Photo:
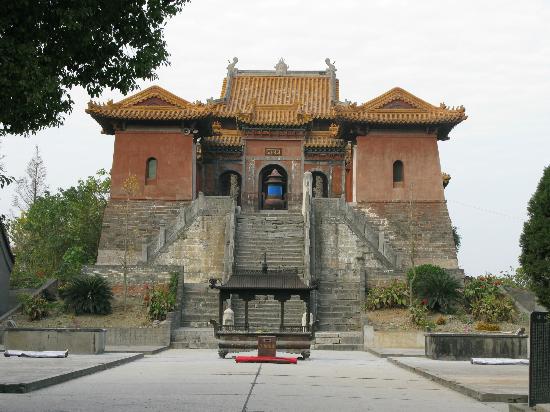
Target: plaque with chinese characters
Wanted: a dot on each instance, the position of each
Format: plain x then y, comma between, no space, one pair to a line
273,151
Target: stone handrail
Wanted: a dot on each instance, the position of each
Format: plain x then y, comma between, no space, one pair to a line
229,252
185,218
360,224
306,212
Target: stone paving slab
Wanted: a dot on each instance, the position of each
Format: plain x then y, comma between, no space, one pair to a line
486,383
20,375
146,350
197,380
396,352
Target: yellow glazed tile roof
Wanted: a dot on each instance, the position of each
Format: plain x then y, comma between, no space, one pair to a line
222,141
153,103
311,94
397,106
313,143
267,99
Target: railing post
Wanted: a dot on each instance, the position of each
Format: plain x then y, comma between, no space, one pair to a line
307,189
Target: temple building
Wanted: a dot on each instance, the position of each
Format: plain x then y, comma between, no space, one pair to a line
346,195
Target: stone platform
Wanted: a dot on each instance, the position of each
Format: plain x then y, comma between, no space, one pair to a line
486,383
20,375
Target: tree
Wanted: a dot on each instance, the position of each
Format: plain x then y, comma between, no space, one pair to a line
456,237
48,47
4,180
59,232
32,186
535,241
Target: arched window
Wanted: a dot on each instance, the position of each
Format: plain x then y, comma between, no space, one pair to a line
151,169
398,171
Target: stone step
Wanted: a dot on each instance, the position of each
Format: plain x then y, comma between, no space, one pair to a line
193,338
199,305
252,254
269,242
271,263
271,255
270,218
338,347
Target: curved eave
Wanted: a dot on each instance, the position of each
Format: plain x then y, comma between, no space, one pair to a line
107,118
404,118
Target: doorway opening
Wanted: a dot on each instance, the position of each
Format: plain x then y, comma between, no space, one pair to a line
273,188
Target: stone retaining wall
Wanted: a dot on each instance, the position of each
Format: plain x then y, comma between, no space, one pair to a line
431,225
137,274
138,336
463,346
90,341
392,339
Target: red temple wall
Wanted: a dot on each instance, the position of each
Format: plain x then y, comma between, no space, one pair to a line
376,154
174,154
291,159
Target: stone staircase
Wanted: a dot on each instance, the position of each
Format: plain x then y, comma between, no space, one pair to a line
279,235
339,305
199,305
193,338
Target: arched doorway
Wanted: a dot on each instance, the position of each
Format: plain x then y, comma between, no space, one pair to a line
273,187
230,185
319,184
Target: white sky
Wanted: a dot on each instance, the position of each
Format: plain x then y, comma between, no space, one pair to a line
492,56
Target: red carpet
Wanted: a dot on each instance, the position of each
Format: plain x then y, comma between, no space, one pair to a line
264,359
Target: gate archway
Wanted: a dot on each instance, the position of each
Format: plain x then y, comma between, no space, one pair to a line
273,187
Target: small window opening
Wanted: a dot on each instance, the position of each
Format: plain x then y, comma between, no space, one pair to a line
151,170
398,172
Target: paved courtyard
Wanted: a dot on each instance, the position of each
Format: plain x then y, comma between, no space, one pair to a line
196,380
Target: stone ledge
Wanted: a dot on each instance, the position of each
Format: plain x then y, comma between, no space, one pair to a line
484,383
22,375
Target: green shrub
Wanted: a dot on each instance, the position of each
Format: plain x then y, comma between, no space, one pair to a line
494,308
173,285
515,278
419,315
395,295
163,298
435,287
88,294
478,288
35,307
162,301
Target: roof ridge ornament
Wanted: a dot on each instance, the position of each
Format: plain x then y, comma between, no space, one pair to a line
231,69
331,67
281,67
